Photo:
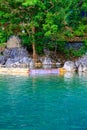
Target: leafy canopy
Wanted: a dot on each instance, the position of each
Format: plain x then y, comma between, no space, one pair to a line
54,21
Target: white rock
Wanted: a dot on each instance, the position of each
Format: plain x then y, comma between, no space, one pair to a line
69,66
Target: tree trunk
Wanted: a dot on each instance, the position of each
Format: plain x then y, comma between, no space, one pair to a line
33,45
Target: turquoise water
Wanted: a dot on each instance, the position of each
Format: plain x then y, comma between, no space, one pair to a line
43,102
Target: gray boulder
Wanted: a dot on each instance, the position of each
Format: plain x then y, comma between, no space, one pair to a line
69,66
81,61
81,64
82,68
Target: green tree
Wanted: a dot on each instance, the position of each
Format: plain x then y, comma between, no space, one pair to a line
42,22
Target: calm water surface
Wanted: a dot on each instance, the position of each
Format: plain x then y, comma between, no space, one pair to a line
49,102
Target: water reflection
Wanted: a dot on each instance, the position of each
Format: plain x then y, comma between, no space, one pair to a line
46,66
82,74
69,75
75,79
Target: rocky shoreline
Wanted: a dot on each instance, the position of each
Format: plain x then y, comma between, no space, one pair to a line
15,55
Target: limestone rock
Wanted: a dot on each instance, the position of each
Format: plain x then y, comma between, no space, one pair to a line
47,62
18,52
9,62
2,60
25,60
6,53
32,64
82,68
82,61
14,42
69,66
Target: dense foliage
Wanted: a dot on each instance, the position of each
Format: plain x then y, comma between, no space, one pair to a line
43,23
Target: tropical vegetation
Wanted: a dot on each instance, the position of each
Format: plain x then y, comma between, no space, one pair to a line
44,23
